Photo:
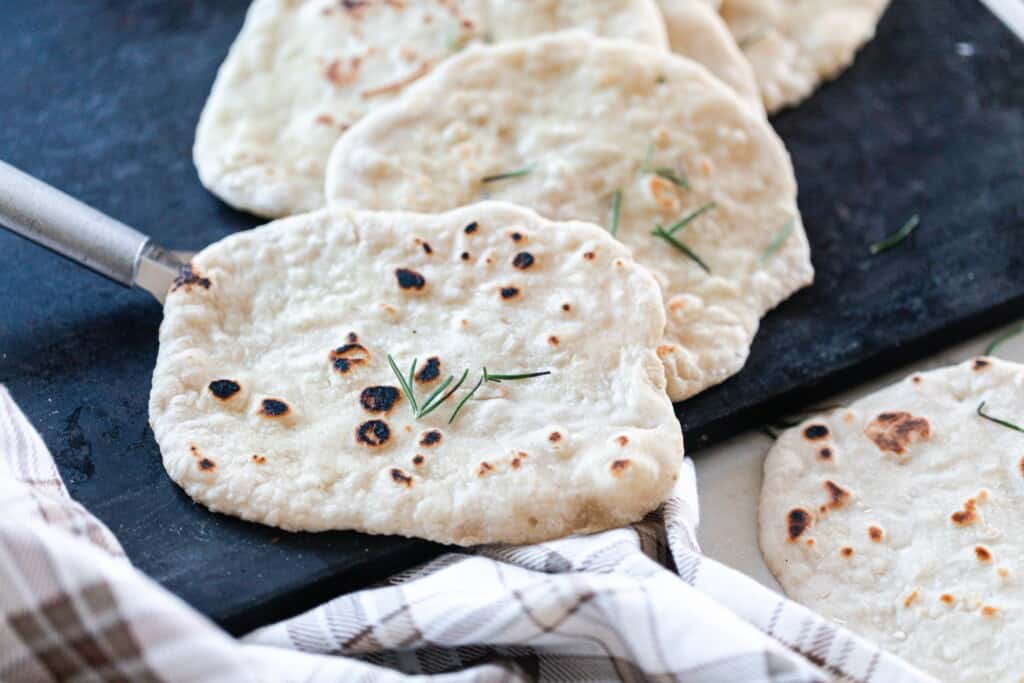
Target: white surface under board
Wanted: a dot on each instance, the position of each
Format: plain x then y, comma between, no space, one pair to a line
729,474
1011,12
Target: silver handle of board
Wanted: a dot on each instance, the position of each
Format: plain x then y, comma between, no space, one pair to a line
61,223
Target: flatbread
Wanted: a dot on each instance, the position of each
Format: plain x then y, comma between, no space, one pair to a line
696,31
579,113
901,517
273,399
794,45
302,71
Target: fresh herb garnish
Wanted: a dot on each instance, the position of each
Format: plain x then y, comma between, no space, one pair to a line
438,396
667,236
467,397
645,165
671,176
406,389
488,377
616,211
505,176
1009,334
1008,425
433,401
690,217
503,378
900,235
779,239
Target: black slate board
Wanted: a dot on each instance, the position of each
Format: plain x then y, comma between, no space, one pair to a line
101,98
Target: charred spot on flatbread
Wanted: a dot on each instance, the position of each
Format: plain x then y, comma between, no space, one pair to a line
344,358
224,389
798,520
373,433
401,477
410,279
274,408
894,432
431,438
816,432
380,399
837,496
523,260
189,277
430,371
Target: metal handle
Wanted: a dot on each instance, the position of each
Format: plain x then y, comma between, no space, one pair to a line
59,222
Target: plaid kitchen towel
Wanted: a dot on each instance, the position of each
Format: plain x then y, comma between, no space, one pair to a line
634,604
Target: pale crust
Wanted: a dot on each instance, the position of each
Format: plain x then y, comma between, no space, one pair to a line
302,71
794,45
581,112
696,31
911,525
305,311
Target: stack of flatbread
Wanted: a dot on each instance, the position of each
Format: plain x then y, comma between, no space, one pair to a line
513,233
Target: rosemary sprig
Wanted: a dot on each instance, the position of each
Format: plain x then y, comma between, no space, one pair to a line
486,376
467,397
442,393
900,235
690,217
779,239
671,176
1008,425
501,378
667,236
406,389
616,212
645,166
505,176
1009,334
433,402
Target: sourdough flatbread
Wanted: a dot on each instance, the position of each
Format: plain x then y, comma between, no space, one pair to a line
902,517
794,45
572,118
696,31
273,398
303,71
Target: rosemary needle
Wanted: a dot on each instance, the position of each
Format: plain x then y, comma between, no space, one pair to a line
671,176
1009,334
432,405
779,239
1008,425
900,235
667,236
645,167
405,385
505,176
500,378
690,217
616,211
467,397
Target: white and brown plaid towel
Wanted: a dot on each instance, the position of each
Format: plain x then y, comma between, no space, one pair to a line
634,604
